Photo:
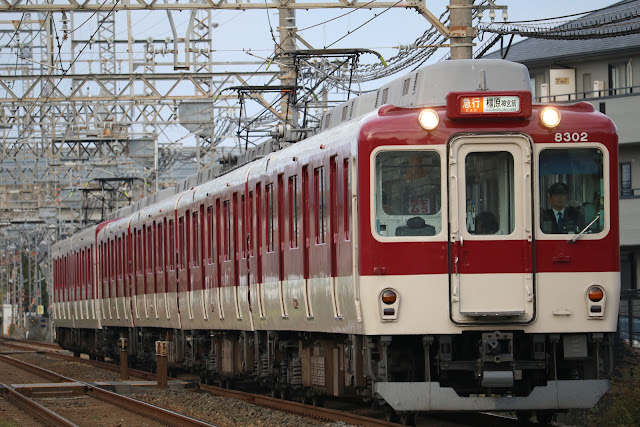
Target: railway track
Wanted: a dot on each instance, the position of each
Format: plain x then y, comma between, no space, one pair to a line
291,407
104,405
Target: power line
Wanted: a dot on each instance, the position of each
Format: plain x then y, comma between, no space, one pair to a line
612,23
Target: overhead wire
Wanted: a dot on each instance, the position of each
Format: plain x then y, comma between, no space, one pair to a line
363,24
614,22
17,30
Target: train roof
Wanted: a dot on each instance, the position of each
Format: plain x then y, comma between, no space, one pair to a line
429,86
80,240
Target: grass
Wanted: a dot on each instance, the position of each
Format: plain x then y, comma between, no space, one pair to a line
621,405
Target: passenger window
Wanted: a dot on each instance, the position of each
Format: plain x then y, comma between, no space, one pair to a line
571,190
489,193
408,193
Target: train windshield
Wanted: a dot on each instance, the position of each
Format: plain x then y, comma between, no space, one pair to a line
408,193
489,193
571,190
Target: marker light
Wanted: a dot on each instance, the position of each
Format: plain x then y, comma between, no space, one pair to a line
550,117
595,293
428,119
388,296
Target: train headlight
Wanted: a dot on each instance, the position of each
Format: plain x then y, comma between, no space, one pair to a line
596,299
550,117
428,119
388,305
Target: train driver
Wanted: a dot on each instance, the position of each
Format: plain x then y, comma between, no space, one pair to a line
561,218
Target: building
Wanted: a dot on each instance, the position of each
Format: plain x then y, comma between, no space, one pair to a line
600,71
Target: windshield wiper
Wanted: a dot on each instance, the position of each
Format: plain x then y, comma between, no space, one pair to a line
577,236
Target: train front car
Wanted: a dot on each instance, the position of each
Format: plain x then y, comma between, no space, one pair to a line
490,278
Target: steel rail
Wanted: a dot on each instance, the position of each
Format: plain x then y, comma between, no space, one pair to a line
36,370
35,409
103,365
164,416
145,409
297,408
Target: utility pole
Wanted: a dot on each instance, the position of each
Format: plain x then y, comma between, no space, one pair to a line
462,31
287,44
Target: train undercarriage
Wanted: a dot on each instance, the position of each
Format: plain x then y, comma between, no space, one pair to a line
499,370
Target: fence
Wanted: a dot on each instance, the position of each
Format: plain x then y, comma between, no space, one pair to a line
629,317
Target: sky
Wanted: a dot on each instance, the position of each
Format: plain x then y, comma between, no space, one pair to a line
241,36
383,34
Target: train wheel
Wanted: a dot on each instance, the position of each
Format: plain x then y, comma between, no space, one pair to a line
389,414
524,417
283,394
76,354
544,417
408,419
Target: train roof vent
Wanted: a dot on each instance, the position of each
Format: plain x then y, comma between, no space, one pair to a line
405,86
385,95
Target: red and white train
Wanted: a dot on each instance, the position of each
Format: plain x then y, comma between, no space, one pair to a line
441,244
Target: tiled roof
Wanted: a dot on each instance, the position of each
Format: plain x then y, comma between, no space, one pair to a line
534,50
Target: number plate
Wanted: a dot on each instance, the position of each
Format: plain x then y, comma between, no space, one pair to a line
489,104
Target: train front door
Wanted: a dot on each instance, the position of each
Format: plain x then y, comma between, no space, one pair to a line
491,268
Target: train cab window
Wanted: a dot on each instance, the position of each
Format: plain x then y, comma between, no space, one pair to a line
571,190
407,193
489,191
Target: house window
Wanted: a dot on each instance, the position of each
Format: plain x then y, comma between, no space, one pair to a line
619,78
625,180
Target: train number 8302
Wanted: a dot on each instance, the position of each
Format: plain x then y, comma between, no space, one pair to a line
571,137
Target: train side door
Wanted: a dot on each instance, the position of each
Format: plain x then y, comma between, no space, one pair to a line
491,271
